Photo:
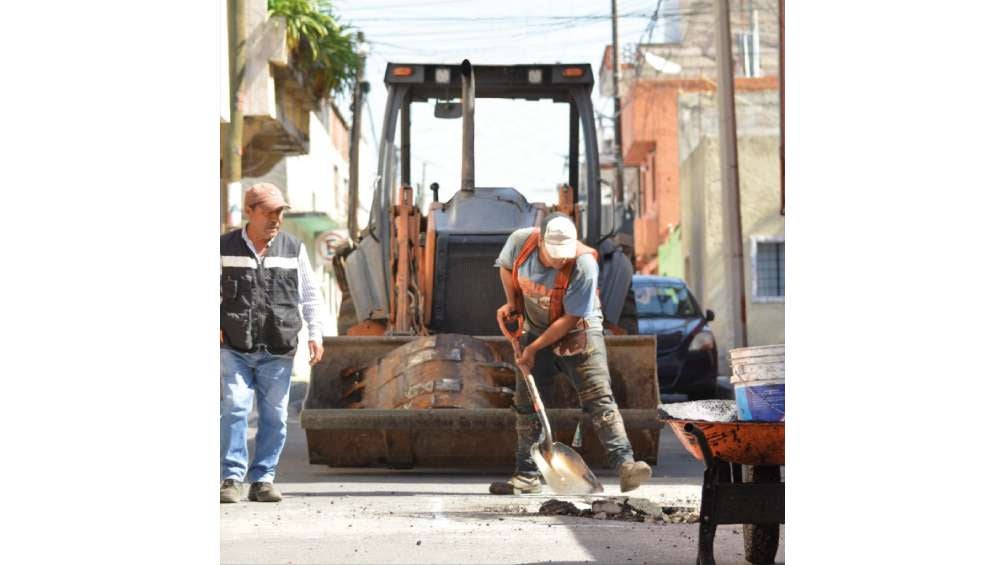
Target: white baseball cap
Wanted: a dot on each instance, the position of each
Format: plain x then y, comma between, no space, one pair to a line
560,238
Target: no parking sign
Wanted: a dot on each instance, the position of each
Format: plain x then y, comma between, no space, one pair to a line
325,243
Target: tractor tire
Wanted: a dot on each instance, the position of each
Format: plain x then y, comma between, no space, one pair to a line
346,315
629,314
761,540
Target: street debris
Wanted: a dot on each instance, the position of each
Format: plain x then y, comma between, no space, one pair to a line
505,508
555,507
626,509
644,506
607,507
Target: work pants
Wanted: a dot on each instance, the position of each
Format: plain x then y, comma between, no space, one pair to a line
590,375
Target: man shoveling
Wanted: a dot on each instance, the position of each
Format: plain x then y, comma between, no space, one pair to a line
550,279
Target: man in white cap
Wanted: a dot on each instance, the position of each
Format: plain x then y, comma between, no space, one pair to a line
551,280
265,278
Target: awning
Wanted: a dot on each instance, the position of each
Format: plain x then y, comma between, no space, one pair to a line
309,223
307,226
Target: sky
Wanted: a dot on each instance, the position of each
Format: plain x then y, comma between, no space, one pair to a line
511,147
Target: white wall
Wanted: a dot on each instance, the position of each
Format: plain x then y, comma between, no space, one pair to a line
757,117
310,178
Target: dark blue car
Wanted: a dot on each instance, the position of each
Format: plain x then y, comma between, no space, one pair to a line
686,353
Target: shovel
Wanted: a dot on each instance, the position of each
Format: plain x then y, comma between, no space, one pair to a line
561,466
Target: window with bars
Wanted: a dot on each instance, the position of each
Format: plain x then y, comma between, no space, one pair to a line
768,269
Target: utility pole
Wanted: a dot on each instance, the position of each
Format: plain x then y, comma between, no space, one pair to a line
618,139
731,217
420,193
780,18
230,191
357,116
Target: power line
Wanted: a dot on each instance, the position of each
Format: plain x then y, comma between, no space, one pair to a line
420,5
639,14
527,30
465,33
486,19
493,34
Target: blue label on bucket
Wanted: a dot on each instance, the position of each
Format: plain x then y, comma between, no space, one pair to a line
760,402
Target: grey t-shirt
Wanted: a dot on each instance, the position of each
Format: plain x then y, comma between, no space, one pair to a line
537,281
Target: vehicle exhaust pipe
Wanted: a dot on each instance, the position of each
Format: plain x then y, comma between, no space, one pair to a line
467,107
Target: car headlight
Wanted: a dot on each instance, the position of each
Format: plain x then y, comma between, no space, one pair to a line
702,342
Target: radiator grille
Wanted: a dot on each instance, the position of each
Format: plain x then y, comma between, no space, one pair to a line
467,286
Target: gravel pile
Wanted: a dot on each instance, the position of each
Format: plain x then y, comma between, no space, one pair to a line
703,410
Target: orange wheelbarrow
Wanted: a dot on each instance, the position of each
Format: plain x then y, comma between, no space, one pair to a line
742,482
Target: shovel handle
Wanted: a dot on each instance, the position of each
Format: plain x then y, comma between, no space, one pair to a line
538,404
512,335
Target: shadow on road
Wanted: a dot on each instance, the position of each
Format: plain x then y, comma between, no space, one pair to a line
606,541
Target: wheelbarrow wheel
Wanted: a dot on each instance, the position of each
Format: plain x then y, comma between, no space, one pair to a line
761,540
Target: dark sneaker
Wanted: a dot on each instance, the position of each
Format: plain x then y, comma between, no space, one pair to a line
264,492
230,491
518,484
634,474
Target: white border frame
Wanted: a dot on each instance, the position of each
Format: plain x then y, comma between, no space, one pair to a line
755,242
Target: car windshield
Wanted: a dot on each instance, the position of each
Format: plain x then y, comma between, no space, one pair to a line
664,301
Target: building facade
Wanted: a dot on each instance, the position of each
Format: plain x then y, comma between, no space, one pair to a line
297,143
669,121
652,79
700,241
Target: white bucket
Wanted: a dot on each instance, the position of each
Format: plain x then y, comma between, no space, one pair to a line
758,378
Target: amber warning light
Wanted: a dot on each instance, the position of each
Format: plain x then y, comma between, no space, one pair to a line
401,71
572,72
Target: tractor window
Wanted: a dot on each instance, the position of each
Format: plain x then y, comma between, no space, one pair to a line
517,143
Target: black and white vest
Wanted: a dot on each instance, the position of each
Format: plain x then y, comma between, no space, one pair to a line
260,299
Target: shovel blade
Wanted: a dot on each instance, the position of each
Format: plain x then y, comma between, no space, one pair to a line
564,470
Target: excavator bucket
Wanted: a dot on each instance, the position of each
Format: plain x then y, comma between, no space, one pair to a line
446,401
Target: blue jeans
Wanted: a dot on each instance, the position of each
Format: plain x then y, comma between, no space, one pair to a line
243,378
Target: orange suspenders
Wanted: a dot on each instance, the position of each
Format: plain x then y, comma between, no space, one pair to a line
557,294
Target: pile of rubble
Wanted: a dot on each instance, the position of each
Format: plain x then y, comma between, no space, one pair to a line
621,508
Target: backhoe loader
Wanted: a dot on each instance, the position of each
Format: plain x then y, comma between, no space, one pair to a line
423,376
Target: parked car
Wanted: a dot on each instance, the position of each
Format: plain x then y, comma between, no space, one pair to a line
686,353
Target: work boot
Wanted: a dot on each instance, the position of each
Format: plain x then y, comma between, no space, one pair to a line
518,484
230,491
264,492
633,474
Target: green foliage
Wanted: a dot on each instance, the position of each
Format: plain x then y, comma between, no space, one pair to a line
320,48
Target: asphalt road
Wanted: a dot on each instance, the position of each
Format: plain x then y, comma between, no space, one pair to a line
388,516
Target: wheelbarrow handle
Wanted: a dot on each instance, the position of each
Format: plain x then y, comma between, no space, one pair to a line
702,442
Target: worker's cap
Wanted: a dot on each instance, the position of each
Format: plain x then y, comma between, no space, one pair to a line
560,238
264,194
